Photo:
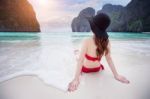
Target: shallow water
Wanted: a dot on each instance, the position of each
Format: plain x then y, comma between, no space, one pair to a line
51,54
47,56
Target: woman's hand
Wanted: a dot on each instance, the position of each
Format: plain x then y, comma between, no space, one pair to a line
73,85
121,79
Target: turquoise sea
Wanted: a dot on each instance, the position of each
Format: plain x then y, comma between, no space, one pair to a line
11,36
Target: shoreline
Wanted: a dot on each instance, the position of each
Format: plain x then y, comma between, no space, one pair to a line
131,59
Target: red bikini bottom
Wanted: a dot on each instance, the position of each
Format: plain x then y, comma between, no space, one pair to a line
89,70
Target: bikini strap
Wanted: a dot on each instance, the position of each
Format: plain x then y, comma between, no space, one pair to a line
91,58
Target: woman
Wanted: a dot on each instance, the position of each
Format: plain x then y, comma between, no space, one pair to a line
93,49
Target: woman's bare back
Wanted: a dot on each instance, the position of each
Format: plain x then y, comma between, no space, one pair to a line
91,51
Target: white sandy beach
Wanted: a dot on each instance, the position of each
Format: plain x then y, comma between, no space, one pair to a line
131,59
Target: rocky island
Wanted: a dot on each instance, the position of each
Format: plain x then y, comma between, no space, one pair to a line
18,16
135,17
80,23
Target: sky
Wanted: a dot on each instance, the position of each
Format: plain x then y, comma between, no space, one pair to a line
56,15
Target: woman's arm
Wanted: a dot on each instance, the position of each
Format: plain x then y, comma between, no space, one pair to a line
74,84
110,61
112,66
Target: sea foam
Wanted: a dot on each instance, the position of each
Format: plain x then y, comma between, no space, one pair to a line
51,58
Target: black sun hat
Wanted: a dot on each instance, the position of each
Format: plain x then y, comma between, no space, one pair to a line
99,24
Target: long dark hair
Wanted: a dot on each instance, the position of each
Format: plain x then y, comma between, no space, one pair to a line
101,44
99,25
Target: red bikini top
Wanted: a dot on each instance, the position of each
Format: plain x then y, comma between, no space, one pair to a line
92,58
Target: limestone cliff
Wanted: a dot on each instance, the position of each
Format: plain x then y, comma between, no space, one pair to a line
18,15
80,23
135,17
